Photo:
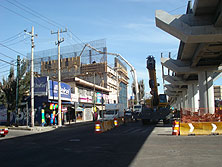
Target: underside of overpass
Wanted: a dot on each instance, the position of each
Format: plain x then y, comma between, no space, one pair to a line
199,57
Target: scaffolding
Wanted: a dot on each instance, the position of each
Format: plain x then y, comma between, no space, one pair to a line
48,58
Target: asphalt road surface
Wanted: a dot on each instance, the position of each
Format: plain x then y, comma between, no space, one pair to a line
131,145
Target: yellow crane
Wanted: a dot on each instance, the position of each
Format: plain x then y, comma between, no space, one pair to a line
155,108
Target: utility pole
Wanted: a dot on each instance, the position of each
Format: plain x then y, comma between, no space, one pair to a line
17,85
32,75
59,74
94,93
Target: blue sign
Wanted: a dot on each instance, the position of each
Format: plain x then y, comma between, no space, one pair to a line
65,91
40,86
99,97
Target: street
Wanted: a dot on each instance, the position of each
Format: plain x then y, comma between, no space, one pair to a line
131,145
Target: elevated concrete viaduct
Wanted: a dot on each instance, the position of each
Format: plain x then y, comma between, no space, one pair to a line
199,59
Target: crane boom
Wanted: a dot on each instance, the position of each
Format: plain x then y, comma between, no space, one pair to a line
153,81
133,70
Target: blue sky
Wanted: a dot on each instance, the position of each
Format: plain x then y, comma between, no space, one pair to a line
127,25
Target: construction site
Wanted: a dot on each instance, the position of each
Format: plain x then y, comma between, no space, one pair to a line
79,61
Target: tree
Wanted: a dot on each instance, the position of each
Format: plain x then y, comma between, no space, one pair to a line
8,88
8,91
141,89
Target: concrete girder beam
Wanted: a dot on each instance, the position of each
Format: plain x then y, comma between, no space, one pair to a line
197,55
176,26
172,94
183,67
177,81
174,88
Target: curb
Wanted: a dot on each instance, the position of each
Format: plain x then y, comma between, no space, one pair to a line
49,128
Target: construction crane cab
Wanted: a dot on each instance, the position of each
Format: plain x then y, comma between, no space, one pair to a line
156,107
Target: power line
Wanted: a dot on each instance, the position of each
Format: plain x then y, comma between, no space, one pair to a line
50,21
7,62
12,49
3,66
7,56
12,37
22,8
46,18
24,17
17,42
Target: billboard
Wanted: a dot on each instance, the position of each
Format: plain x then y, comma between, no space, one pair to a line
65,91
40,86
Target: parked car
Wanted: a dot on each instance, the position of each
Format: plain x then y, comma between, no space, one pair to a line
3,131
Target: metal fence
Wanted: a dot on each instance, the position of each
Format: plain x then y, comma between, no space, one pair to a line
88,55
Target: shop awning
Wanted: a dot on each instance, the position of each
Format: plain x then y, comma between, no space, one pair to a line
56,102
79,109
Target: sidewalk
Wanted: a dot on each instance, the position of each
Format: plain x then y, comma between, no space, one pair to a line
50,128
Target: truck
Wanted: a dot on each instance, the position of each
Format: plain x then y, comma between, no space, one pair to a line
113,111
156,108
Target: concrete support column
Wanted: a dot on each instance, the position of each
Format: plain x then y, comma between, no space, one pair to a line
190,97
181,101
206,92
196,97
193,97
184,107
178,103
186,100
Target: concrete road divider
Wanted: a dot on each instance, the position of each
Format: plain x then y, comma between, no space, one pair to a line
105,125
201,128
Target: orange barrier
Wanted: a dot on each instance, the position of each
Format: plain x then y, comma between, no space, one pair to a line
201,128
115,122
102,126
98,127
176,128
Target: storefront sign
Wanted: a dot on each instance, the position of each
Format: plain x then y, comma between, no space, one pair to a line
74,97
65,91
98,97
40,86
89,99
83,98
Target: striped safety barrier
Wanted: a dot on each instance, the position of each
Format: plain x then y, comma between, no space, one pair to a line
201,128
115,122
176,128
98,127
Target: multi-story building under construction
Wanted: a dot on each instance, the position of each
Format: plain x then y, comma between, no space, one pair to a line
90,66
